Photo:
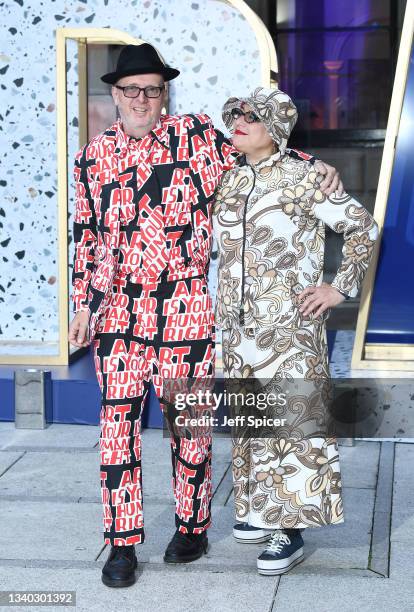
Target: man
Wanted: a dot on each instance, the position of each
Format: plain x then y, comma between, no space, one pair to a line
142,232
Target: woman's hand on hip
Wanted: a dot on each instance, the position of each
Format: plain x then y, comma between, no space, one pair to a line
318,299
78,329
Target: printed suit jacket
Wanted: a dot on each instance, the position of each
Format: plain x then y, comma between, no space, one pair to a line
169,176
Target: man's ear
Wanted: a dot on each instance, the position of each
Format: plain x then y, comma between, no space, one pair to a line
164,100
114,92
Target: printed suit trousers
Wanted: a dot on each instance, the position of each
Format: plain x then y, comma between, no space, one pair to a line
151,333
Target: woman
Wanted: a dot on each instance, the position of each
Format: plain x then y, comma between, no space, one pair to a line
269,221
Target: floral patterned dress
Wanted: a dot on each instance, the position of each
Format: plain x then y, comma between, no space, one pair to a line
269,221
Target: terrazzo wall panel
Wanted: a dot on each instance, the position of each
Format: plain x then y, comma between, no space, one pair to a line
209,40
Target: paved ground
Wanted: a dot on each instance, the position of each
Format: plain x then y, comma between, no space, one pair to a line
51,515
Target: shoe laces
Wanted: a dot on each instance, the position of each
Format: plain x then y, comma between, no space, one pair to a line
277,541
121,552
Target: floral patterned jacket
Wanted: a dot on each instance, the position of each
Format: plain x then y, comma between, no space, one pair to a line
269,221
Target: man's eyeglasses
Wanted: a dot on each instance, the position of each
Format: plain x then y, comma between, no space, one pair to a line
133,91
249,116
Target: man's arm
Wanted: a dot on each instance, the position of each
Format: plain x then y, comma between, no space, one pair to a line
85,239
332,181
227,152
84,235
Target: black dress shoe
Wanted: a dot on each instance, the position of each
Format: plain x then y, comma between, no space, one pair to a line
119,569
186,547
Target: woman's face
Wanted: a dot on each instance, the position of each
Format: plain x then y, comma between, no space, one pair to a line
252,138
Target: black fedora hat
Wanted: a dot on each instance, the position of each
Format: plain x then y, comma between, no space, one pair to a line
139,59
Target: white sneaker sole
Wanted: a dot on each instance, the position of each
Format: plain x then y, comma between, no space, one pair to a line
274,568
252,538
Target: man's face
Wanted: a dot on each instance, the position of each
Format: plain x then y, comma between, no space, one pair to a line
139,115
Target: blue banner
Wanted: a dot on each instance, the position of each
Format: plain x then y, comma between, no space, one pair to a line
391,317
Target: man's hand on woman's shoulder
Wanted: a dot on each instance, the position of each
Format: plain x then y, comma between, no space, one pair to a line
332,181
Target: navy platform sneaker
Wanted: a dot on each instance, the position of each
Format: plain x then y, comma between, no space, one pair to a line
247,534
284,551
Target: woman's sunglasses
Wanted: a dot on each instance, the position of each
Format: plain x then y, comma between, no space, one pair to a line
249,116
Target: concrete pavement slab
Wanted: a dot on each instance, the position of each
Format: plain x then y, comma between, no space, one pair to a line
72,531
7,430
332,547
346,545
345,593
43,530
75,476
222,446
403,476
351,459
58,475
402,562
55,540
170,589
155,447
156,479
156,444
157,469
224,551
8,459
403,493
55,436
381,521
328,548
404,453
223,493
402,524
358,508
402,527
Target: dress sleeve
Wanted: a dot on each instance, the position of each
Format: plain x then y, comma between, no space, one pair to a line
344,215
84,235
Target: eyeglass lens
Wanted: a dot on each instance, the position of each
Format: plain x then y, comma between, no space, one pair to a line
133,91
249,116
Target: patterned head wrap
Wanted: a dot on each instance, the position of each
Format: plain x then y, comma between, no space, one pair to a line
275,109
